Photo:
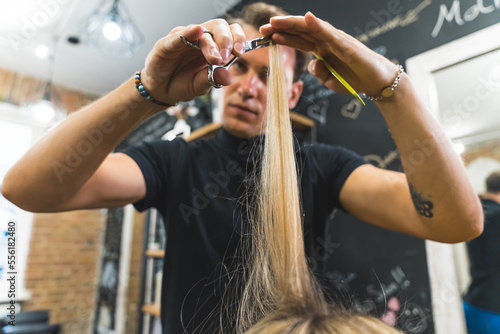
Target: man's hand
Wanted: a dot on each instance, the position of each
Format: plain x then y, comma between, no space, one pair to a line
434,199
365,70
177,72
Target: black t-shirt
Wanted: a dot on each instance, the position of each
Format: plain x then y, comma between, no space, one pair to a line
484,255
199,188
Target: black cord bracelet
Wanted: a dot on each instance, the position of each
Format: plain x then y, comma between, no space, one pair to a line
144,93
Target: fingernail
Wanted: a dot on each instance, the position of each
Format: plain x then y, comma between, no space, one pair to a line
239,47
215,53
225,53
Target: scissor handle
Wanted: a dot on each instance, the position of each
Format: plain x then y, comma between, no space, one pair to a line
253,44
211,70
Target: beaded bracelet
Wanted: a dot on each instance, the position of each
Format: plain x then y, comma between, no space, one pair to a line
144,93
388,91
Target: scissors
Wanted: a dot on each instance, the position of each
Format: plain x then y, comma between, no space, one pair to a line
258,43
252,44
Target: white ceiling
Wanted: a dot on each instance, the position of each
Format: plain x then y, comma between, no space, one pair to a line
29,23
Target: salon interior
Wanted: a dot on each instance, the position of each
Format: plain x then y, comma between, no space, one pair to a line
100,270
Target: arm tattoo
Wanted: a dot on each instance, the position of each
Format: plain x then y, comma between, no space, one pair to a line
423,206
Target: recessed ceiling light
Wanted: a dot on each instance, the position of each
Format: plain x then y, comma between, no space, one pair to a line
459,148
42,51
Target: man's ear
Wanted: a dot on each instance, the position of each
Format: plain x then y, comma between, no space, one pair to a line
295,92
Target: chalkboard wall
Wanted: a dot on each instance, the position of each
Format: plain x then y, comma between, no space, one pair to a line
376,270
371,269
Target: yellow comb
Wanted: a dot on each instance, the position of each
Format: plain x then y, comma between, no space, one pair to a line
339,78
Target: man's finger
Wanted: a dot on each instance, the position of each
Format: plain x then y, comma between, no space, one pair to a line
239,39
220,41
338,42
294,41
291,23
191,33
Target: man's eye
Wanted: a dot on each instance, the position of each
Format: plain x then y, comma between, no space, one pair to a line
237,68
263,76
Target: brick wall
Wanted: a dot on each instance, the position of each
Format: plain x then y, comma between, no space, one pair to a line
65,248
62,269
481,159
17,88
488,149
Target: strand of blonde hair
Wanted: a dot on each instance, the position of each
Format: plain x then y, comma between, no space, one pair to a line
279,270
281,294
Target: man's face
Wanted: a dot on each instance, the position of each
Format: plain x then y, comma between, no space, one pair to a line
244,101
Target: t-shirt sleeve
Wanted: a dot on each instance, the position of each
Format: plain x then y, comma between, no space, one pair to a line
154,159
335,163
343,163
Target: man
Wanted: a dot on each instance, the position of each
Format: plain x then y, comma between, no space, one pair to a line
482,301
198,187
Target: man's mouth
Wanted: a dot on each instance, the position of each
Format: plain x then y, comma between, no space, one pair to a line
243,108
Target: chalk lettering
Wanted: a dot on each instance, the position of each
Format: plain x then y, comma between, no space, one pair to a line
453,14
400,20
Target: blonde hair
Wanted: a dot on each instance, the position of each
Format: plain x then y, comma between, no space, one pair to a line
281,294
259,13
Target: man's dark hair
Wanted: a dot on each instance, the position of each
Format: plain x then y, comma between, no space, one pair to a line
260,13
493,182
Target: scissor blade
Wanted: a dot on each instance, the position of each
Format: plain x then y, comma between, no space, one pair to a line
252,44
258,43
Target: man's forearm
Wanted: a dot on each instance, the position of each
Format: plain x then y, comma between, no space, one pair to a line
439,186
56,167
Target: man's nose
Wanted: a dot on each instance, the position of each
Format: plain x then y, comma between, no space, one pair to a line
249,84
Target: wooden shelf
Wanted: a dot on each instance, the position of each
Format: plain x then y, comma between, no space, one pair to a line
299,121
151,309
206,131
159,253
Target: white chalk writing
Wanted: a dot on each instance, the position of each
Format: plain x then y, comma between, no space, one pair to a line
454,13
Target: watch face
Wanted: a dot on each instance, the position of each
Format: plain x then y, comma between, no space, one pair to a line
387,92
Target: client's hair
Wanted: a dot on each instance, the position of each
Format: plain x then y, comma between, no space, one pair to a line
281,294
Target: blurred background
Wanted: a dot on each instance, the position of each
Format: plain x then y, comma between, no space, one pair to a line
95,271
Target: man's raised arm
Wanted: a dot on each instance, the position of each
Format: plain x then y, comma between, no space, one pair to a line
434,198
70,168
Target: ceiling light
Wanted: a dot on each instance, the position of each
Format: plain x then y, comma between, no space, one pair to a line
111,32
44,110
459,148
42,51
